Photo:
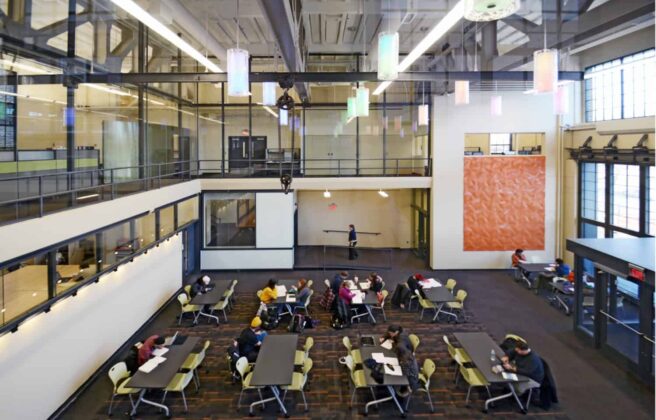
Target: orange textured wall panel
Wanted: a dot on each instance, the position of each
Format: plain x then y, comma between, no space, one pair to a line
504,203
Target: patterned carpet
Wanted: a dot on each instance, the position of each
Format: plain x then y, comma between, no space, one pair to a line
328,394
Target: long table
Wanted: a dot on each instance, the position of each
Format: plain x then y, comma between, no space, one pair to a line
274,366
478,346
282,299
368,300
212,297
389,381
440,296
161,376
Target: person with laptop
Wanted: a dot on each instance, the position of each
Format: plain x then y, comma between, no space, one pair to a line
146,350
302,292
200,286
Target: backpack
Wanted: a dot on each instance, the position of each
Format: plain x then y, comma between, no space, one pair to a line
336,322
377,370
132,360
327,299
296,324
232,357
311,323
269,318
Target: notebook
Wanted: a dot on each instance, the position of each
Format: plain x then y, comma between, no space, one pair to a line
509,376
387,344
281,290
160,352
151,364
394,370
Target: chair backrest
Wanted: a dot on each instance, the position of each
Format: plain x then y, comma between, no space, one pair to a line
465,374
183,299
450,284
242,367
259,294
234,283
428,369
385,293
309,283
414,340
309,343
514,337
347,343
117,372
461,296
382,284
307,365
327,283
449,346
187,378
348,361
307,301
205,346
229,293
187,289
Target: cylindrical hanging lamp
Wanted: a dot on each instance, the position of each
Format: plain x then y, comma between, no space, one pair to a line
350,107
545,70
362,102
388,55
422,115
238,72
284,116
269,93
462,92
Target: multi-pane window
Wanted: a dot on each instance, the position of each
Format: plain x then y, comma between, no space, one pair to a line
626,197
593,191
620,88
500,143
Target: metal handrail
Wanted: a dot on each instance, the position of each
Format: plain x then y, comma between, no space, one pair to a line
346,231
636,332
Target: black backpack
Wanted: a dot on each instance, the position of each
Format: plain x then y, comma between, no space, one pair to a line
232,357
132,360
336,322
270,318
296,324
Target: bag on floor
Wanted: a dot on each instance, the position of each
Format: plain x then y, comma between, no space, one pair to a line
400,295
311,323
270,319
337,323
327,299
296,324
232,357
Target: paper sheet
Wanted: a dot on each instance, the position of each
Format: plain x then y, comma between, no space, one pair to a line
281,290
151,364
357,299
392,361
510,376
290,298
160,352
387,344
430,283
379,357
394,371
549,268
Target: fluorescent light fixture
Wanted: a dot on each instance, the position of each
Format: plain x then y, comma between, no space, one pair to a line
462,92
270,111
238,72
422,115
283,115
362,102
496,105
545,70
326,194
33,98
388,55
147,19
438,31
383,194
84,197
269,93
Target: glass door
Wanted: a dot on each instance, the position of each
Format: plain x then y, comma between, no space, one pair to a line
420,224
620,317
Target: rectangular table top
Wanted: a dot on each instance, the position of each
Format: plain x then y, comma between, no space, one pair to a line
366,352
275,361
214,296
478,346
161,376
288,283
439,295
535,267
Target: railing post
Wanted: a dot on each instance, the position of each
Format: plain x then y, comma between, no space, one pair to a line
40,196
397,167
159,175
111,183
339,172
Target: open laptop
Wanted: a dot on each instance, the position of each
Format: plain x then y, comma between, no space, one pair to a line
175,339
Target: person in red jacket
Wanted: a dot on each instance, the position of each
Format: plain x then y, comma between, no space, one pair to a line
146,350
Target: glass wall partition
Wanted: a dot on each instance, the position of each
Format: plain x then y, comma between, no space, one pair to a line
187,211
24,285
76,261
230,220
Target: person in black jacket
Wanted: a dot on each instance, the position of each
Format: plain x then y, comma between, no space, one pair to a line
527,363
376,282
249,344
352,242
410,370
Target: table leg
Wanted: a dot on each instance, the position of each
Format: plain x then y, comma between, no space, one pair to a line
392,397
371,315
437,313
276,397
207,315
149,402
393,394
512,393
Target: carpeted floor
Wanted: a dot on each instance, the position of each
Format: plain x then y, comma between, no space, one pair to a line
590,387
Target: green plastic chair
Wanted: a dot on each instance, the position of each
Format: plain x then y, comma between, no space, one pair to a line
301,355
354,353
298,381
194,360
178,384
119,375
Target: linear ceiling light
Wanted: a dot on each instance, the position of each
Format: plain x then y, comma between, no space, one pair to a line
147,19
383,194
438,31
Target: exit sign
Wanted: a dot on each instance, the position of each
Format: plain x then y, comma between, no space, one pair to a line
636,272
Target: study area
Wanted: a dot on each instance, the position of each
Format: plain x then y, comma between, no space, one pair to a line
327,209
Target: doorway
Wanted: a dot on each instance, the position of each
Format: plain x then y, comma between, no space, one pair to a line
421,223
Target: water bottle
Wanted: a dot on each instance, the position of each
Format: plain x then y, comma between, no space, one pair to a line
493,356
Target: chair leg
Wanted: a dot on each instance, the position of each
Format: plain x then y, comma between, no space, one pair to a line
304,400
353,396
528,400
180,318
196,379
468,392
384,317
131,400
111,402
430,401
163,398
225,316
184,400
489,394
422,314
241,393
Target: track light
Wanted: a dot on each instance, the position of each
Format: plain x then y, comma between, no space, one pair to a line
326,194
383,194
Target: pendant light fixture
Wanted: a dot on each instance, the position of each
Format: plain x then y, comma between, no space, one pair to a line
351,111
422,110
561,100
238,68
545,68
326,194
283,116
462,86
388,53
496,103
487,10
269,93
362,93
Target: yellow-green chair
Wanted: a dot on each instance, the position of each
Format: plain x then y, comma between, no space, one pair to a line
357,378
298,381
474,378
514,337
187,290
230,293
259,294
381,305
354,353
305,305
309,283
302,355
458,305
425,374
450,285
246,374
178,384
459,356
119,376
223,305
414,340
185,306
425,304
194,360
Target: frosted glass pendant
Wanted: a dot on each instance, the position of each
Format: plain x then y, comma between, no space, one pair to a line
388,55
545,71
284,116
269,93
362,102
238,72
422,115
462,92
351,108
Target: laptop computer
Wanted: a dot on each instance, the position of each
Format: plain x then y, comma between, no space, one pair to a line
175,339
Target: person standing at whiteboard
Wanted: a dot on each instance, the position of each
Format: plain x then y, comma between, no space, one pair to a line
352,242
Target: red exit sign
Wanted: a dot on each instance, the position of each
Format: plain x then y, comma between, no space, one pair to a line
636,272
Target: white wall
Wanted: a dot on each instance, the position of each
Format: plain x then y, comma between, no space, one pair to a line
52,354
34,234
274,225
367,210
247,259
521,113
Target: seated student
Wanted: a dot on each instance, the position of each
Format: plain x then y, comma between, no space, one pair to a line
376,282
562,269
337,281
345,293
249,342
395,333
146,350
269,293
410,369
200,286
302,292
524,362
518,257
